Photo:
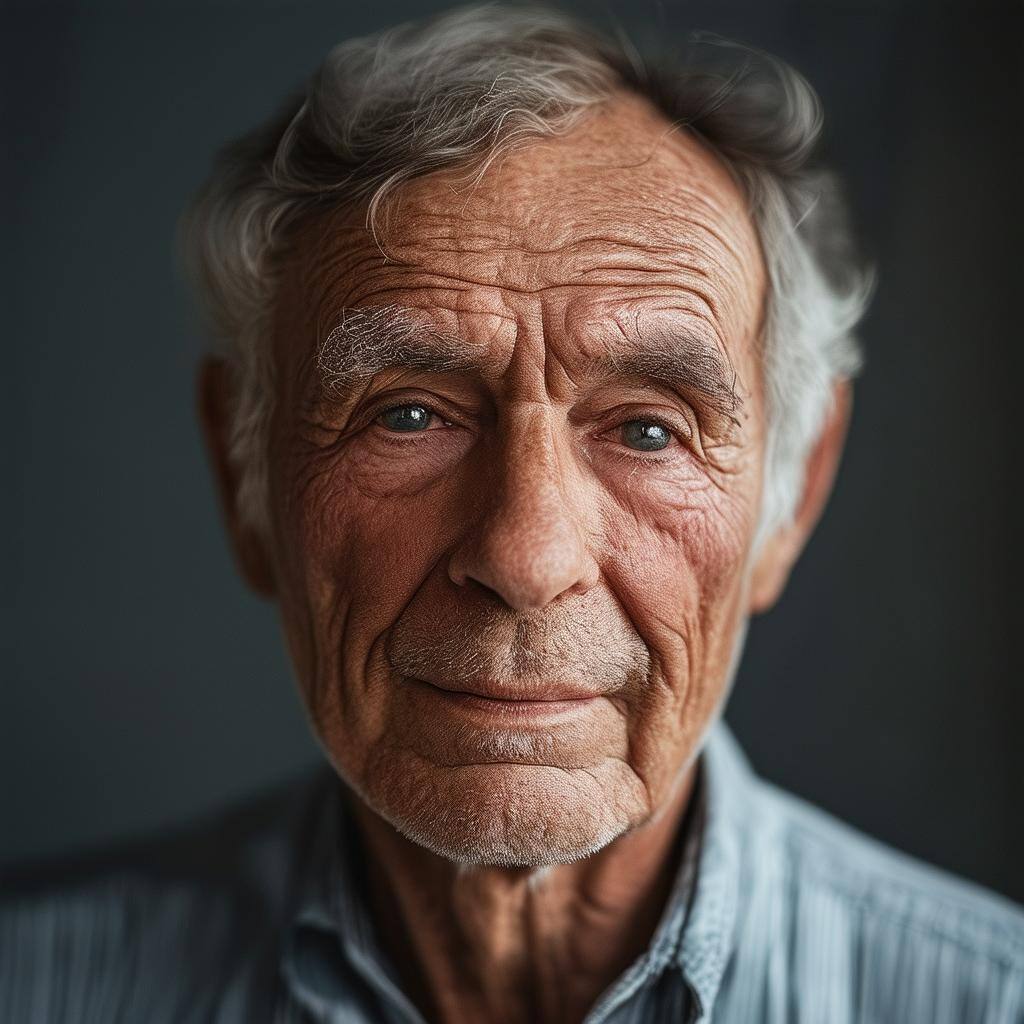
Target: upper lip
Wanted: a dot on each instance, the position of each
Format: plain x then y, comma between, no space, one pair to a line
561,690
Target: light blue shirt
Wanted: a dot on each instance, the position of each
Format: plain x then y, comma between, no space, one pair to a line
779,913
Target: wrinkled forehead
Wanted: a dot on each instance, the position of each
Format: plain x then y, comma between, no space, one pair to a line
624,214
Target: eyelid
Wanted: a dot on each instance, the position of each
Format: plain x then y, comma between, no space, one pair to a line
376,413
683,434
658,421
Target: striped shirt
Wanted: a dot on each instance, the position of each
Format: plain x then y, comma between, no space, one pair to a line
778,913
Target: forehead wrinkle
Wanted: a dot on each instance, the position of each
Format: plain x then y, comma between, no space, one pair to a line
367,339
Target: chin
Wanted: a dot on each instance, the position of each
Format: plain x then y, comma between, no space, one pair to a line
509,815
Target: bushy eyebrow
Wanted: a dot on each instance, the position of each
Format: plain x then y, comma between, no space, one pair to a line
679,358
367,340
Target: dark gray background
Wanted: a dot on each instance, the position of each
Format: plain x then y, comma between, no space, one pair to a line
145,685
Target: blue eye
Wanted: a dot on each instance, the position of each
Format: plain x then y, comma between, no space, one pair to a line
406,418
645,435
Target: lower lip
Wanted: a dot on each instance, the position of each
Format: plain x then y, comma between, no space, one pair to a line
511,708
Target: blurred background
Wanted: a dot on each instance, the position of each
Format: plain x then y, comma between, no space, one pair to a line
144,685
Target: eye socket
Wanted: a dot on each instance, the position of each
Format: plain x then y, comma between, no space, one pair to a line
409,418
646,435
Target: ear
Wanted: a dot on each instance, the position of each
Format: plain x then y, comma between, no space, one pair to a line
213,399
781,550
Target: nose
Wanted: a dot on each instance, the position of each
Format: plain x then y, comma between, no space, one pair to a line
529,543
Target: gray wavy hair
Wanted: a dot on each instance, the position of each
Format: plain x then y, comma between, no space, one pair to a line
461,88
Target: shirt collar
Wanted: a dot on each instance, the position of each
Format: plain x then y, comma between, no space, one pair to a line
332,934
694,934
706,941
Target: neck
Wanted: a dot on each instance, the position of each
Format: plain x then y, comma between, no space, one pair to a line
520,944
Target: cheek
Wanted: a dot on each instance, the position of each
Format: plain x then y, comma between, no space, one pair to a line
367,522
676,557
357,552
679,572
681,535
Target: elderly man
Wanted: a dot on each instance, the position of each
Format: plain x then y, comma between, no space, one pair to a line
535,375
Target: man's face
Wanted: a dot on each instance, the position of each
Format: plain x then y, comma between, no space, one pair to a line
560,505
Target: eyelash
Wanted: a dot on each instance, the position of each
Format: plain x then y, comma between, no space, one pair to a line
402,405
634,456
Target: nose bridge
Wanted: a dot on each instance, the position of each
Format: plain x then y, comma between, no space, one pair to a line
529,544
531,471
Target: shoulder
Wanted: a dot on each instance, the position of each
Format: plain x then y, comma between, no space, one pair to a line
903,936
880,880
116,932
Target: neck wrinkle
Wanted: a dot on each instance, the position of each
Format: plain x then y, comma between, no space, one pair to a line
465,940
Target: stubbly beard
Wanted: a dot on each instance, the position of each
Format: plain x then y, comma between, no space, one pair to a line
589,639
503,795
518,814
507,815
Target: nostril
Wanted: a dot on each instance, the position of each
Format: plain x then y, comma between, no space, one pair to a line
460,572
521,578
481,588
